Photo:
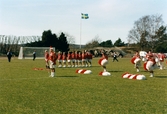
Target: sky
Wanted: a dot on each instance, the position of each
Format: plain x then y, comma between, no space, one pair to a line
108,19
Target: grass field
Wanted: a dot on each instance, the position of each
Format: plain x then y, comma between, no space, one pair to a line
27,91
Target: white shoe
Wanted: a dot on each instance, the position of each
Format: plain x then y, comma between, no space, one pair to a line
151,75
137,70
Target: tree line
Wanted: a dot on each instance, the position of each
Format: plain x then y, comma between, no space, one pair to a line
108,43
50,39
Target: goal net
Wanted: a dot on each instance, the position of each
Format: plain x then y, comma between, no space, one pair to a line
27,52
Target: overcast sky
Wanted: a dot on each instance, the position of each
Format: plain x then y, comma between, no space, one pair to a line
108,19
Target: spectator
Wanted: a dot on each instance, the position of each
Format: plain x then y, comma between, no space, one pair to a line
9,55
34,55
115,57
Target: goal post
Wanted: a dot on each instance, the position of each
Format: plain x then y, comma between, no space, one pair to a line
27,52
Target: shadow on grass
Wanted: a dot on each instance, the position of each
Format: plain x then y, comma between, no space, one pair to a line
115,71
160,76
94,66
144,71
68,76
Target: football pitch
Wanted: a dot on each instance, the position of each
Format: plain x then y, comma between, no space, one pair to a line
24,90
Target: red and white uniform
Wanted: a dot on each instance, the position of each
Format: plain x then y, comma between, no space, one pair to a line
59,57
83,56
52,59
150,65
69,57
46,56
76,57
89,57
136,59
103,61
151,57
161,57
73,56
80,57
64,57
105,56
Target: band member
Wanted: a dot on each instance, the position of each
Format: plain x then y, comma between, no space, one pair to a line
73,58
136,61
161,57
104,61
89,58
86,58
59,59
64,59
52,62
69,59
79,59
47,59
150,65
83,59
76,59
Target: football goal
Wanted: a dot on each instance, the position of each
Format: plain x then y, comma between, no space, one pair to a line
27,52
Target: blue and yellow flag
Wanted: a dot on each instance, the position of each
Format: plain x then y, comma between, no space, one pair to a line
84,16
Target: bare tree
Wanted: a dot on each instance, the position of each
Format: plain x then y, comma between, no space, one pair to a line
144,30
94,42
70,38
13,42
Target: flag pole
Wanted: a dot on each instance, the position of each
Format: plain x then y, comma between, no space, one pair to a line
80,31
83,16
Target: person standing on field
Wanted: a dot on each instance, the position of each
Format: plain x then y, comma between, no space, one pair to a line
52,62
150,65
69,59
104,61
89,56
47,59
59,59
34,55
9,55
136,60
115,57
73,58
79,59
161,57
64,59
83,59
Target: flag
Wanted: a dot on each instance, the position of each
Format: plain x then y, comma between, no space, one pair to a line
84,16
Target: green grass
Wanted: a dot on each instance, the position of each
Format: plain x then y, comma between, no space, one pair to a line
27,91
